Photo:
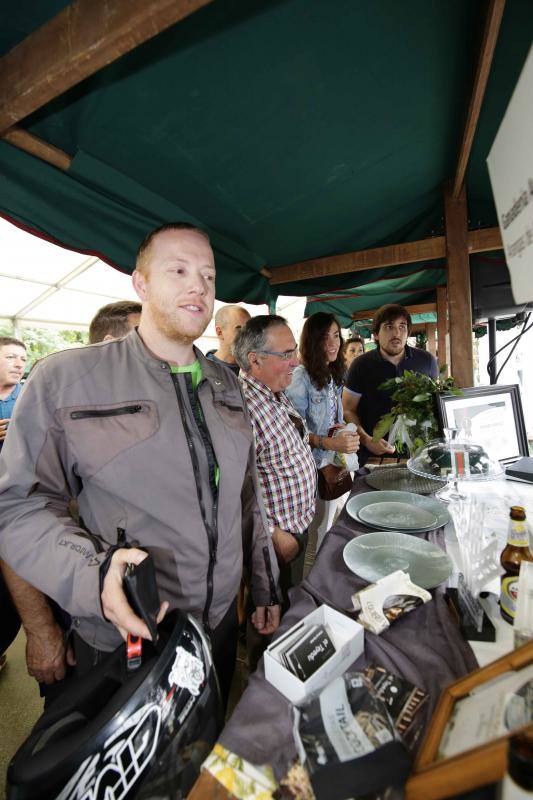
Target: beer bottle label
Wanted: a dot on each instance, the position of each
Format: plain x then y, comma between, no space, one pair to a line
518,534
508,594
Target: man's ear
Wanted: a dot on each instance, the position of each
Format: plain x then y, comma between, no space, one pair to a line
108,338
139,284
218,331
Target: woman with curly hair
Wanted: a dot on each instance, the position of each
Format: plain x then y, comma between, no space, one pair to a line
316,393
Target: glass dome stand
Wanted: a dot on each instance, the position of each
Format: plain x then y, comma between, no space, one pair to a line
450,493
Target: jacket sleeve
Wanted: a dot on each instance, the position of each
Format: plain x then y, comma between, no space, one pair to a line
38,538
298,392
260,560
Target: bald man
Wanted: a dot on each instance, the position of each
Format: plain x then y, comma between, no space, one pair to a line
228,320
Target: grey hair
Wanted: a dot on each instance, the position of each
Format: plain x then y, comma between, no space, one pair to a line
252,337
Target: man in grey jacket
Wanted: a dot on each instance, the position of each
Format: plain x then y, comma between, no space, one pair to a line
155,443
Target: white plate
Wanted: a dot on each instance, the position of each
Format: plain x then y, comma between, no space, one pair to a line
374,555
359,501
395,515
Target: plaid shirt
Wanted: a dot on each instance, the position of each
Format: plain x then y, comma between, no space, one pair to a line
285,464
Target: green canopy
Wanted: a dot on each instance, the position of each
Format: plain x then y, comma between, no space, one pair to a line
291,129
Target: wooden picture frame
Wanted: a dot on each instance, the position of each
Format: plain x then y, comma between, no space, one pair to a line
434,779
504,435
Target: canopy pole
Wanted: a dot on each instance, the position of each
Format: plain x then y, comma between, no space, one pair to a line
442,329
459,301
431,342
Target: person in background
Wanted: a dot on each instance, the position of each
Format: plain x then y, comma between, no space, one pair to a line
114,320
266,352
13,358
316,393
134,429
353,348
364,402
228,322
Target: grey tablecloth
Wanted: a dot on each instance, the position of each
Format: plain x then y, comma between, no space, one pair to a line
425,647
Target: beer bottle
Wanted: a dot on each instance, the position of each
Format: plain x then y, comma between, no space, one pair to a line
516,550
517,783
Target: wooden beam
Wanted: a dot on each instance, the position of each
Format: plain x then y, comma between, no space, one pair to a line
421,308
389,256
38,147
459,302
442,328
479,241
80,40
484,239
490,36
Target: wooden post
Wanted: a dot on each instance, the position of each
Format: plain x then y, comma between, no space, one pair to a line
432,344
442,329
459,302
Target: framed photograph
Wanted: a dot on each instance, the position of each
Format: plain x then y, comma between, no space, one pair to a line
466,742
493,416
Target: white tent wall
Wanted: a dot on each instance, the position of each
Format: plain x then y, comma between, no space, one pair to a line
46,286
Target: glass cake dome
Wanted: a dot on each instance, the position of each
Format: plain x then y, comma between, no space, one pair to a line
453,459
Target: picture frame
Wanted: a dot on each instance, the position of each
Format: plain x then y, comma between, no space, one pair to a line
496,419
434,776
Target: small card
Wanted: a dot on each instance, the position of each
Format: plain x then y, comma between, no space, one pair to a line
308,655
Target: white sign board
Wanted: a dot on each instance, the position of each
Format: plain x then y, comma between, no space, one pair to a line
510,164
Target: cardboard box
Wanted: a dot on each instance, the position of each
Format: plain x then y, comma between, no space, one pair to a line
348,638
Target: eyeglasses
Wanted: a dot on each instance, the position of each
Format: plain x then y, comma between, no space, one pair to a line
286,355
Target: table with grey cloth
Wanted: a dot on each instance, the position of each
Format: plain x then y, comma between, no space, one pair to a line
425,647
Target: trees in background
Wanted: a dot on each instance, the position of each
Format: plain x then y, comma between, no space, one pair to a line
43,341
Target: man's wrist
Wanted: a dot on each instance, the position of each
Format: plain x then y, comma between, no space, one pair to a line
40,627
364,437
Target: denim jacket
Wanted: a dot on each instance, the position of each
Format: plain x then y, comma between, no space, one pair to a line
313,405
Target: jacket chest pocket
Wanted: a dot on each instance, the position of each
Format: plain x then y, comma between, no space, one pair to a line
316,399
99,433
237,430
231,414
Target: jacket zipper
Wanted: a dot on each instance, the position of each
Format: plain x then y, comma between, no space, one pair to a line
105,412
274,599
212,534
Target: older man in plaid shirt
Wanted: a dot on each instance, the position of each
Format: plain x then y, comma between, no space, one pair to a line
266,352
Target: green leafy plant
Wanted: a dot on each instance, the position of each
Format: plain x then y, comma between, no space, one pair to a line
412,418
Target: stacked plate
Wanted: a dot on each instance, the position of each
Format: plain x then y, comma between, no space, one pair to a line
398,511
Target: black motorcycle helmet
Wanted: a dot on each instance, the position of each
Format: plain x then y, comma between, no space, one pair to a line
116,734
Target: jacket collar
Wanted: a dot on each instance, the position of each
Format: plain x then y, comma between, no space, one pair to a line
216,375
